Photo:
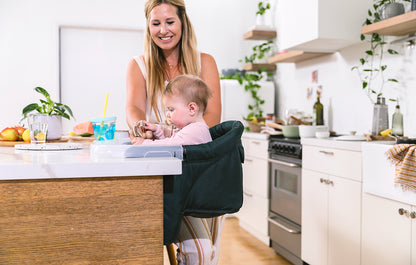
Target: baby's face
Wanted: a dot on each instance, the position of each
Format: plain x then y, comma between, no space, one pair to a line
177,111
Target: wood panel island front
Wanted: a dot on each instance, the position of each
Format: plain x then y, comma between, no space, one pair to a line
69,207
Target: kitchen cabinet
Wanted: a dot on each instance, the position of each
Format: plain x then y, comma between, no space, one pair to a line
388,235
253,214
326,26
331,205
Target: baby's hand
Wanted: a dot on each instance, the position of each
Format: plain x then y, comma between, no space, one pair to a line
150,126
137,140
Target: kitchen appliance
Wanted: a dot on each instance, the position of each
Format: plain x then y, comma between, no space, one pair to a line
285,158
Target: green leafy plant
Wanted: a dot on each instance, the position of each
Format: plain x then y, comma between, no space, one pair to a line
250,83
48,106
259,51
371,66
262,6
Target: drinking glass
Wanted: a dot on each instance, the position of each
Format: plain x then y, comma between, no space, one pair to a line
38,127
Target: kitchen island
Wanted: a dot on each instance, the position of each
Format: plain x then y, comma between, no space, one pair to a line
70,207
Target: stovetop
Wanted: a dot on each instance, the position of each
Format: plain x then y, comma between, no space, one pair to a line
287,147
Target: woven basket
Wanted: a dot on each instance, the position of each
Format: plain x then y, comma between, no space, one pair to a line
254,126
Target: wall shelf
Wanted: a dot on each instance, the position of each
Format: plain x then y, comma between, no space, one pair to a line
296,56
255,67
395,26
260,35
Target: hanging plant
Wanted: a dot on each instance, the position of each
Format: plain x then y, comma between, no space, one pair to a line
262,6
372,67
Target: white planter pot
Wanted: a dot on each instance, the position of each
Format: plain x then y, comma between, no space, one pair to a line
54,128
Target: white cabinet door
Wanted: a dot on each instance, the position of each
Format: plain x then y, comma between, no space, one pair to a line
386,235
344,221
255,176
314,218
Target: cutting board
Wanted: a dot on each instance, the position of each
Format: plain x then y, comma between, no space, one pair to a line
13,143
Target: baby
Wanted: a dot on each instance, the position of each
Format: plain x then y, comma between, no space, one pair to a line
185,99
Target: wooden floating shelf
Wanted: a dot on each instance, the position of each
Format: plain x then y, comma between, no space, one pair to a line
395,26
256,67
260,35
296,56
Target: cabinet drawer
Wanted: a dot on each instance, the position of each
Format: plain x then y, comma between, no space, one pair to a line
256,147
255,176
332,161
253,215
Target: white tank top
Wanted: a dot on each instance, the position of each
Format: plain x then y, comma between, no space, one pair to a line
159,111
151,113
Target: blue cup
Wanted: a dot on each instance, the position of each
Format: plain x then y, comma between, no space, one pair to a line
104,128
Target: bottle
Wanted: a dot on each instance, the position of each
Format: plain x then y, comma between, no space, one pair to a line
397,122
318,111
380,116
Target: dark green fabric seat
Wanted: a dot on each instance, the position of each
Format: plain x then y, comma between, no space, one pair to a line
211,183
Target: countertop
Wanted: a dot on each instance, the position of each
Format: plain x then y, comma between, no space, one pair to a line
331,142
19,164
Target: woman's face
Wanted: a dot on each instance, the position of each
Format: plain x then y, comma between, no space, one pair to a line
165,26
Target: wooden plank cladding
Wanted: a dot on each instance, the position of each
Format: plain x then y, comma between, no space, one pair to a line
82,221
261,66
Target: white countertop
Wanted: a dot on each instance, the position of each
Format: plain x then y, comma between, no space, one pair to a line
21,164
331,142
256,135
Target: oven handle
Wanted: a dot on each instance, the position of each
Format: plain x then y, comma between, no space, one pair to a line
287,229
274,161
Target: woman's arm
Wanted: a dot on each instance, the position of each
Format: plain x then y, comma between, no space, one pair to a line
209,73
136,94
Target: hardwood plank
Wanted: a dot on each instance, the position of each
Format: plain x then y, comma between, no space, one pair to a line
255,67
295,56
82,221
394,26
260,34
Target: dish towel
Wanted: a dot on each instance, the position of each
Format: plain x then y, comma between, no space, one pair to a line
403,156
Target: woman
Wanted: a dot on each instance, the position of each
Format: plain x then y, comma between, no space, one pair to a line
170,50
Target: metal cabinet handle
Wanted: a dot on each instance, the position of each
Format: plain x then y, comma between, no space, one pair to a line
322,180
326,181
256,142
248,160
413,215
278,162
287,229
326,152
403,212
248,194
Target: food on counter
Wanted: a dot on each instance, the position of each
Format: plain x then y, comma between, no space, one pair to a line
26,135
386,132
83,127
9,134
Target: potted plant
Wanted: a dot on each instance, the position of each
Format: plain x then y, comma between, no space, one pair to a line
262,7
54,109
371,67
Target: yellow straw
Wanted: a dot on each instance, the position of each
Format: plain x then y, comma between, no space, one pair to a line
102,122
105,105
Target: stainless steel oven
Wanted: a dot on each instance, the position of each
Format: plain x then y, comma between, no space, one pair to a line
285,158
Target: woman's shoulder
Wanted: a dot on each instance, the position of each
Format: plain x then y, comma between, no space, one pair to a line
206,57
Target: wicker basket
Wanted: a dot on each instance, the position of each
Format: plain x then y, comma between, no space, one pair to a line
254,126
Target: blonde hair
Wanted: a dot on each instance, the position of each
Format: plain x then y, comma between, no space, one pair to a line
191,89
154,59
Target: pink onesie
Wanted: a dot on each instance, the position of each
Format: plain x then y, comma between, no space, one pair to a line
193,133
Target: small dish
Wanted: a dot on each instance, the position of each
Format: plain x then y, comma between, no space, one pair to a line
322,135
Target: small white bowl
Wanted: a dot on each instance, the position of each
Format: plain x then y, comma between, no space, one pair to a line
307,131
322,135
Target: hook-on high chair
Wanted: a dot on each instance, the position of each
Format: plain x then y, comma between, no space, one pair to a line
211,183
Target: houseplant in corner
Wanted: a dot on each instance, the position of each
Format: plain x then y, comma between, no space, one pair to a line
54,109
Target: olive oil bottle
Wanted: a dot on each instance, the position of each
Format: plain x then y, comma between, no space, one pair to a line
318,111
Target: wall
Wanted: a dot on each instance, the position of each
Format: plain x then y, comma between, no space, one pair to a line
346,106
29,39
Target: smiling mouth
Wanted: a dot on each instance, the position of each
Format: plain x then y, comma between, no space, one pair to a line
166,38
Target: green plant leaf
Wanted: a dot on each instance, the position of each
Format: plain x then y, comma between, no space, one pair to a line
29,108
393,80
362,61
383,67
369,52
365,84
392,51
42,91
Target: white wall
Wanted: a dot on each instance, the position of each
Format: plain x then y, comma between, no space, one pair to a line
29,56
29,39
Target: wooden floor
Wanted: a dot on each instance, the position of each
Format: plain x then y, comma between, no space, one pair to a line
238,247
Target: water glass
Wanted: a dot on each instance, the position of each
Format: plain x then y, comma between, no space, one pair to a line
38,127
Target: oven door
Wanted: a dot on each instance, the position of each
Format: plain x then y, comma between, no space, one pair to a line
285,191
